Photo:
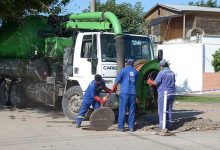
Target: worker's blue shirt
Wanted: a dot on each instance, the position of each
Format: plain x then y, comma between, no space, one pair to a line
165,81
127,78
93,90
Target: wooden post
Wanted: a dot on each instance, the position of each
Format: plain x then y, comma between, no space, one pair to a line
184,25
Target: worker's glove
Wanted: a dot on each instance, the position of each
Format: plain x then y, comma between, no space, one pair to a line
100,100
114,88
150,82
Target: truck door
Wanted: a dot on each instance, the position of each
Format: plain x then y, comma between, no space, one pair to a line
85,57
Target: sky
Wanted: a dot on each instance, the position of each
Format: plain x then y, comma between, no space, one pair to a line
76,6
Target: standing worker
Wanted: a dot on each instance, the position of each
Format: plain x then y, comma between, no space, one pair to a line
165,81
127,78
91,97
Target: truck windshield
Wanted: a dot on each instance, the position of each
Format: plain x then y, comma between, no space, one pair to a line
136,47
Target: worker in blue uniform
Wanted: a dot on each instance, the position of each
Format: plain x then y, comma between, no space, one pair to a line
127,78
165,81
91,97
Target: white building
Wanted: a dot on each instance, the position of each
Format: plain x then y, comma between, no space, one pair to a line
191,59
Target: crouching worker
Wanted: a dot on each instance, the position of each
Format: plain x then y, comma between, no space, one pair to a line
91,97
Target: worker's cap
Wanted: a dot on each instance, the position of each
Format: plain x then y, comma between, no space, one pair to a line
130,61
163,62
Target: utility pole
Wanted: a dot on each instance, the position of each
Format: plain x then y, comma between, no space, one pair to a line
92,9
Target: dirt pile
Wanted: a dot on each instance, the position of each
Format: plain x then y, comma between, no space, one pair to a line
182,125
195,124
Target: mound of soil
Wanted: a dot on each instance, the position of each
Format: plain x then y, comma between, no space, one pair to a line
198,124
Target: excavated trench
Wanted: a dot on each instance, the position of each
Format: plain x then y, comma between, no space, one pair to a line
149,124
183,125
189,124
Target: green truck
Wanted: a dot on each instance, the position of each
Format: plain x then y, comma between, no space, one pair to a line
53,59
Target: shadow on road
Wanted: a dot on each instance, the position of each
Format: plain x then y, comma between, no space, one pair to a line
38,108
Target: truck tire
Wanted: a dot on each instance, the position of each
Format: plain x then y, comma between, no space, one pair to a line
16,95
72,101
3,93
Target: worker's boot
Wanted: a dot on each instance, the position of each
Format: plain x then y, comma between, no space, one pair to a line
131,129
78,125
121,129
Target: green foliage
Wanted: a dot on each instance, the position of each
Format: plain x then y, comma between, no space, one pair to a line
209,3
216,61
131,17
15,10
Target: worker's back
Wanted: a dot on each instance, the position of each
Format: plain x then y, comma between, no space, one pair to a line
166,81
128,78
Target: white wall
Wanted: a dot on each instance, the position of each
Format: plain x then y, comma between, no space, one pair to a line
211,44
187,62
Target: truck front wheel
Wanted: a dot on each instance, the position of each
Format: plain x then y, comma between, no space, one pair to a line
72,101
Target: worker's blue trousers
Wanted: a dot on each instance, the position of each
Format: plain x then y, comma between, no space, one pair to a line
85,107
169,109
127,101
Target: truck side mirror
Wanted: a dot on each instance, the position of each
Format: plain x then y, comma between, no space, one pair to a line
160,54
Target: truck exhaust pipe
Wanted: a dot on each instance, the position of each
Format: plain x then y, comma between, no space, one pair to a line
120,52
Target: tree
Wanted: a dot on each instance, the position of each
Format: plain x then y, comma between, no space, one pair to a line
216,61
15,10
131,17
209,3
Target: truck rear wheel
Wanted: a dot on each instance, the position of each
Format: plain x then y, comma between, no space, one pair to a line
72,101
17,96
3,93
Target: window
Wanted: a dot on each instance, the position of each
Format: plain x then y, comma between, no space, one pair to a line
158,12
137,47
108,48
86,46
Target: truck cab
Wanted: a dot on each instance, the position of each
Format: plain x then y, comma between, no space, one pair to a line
95,53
